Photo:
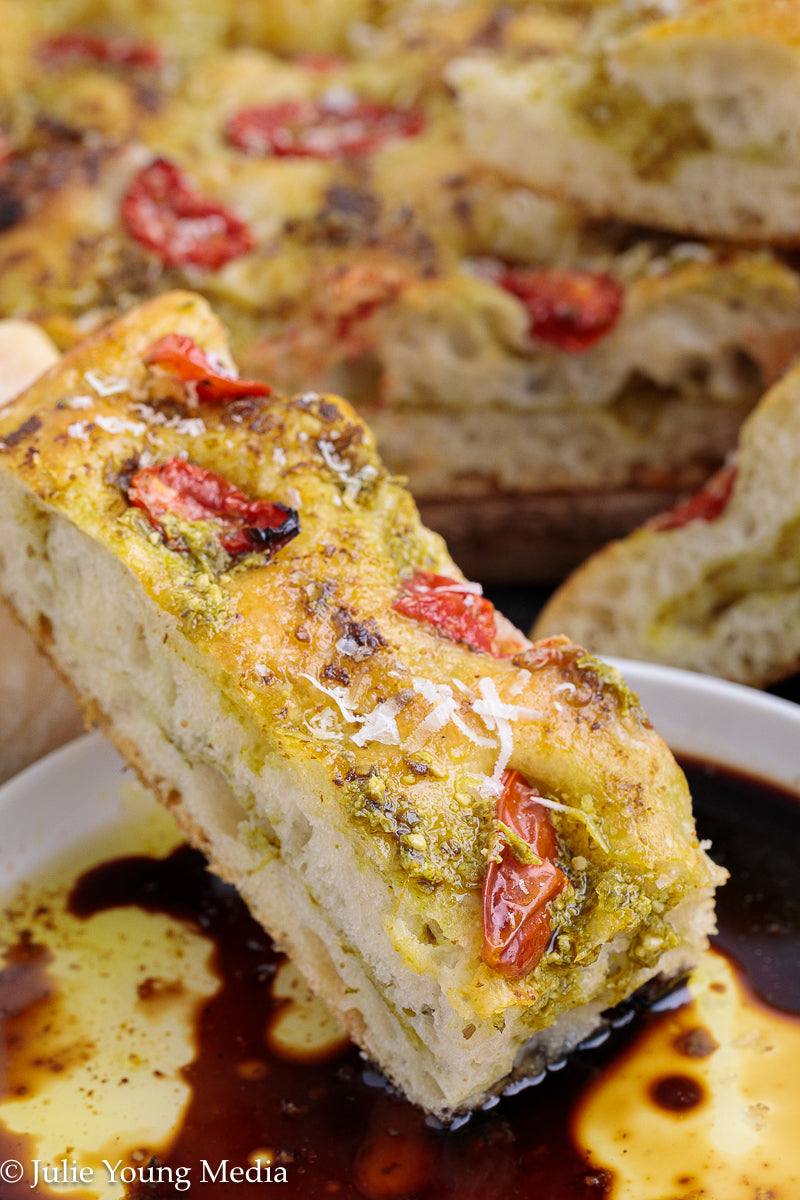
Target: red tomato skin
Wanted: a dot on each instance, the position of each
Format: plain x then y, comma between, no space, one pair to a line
312,129
460,616
66,48
181,356
194,493
706,505
162,211
6,152
573,310
516,897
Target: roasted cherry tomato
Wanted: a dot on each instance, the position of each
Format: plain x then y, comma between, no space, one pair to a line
182,357
517,896
571,309
6,152
323,64
554,651
194,493
449,605
316,129
706,505
162,210
66,48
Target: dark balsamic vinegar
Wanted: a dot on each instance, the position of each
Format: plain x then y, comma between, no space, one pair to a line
332,1124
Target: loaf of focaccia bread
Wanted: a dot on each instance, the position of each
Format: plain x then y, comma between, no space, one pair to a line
584,372
682,116
471,845
714,584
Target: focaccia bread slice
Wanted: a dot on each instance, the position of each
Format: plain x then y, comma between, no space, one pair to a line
714,584
248,604
681,116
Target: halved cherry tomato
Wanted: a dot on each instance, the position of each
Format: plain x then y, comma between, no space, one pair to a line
316,129
516,896
447,604
706,505
321,63
556,650
570,309
162,210
6,152
182,357
194,493
66,48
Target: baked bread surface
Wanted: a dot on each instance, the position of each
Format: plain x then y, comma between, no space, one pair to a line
715,585
300,727
684,117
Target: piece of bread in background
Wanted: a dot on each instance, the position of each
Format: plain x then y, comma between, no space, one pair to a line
25,353
687,120
714,584
542,380
37,712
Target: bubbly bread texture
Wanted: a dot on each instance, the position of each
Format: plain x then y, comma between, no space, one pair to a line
337,760
714,585
681,116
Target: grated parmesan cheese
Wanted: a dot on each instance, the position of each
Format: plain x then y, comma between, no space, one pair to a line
497,717
377,726
589,821
353,481
190,426
445,708
522,680
105,385
120,425
380,725
322,726
338,695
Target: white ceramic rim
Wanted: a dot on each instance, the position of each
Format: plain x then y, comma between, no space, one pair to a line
724,723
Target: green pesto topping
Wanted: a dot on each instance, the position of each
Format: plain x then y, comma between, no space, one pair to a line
449,847
521,850
200,539
656,139
609,678
586,917
193,576
262,843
